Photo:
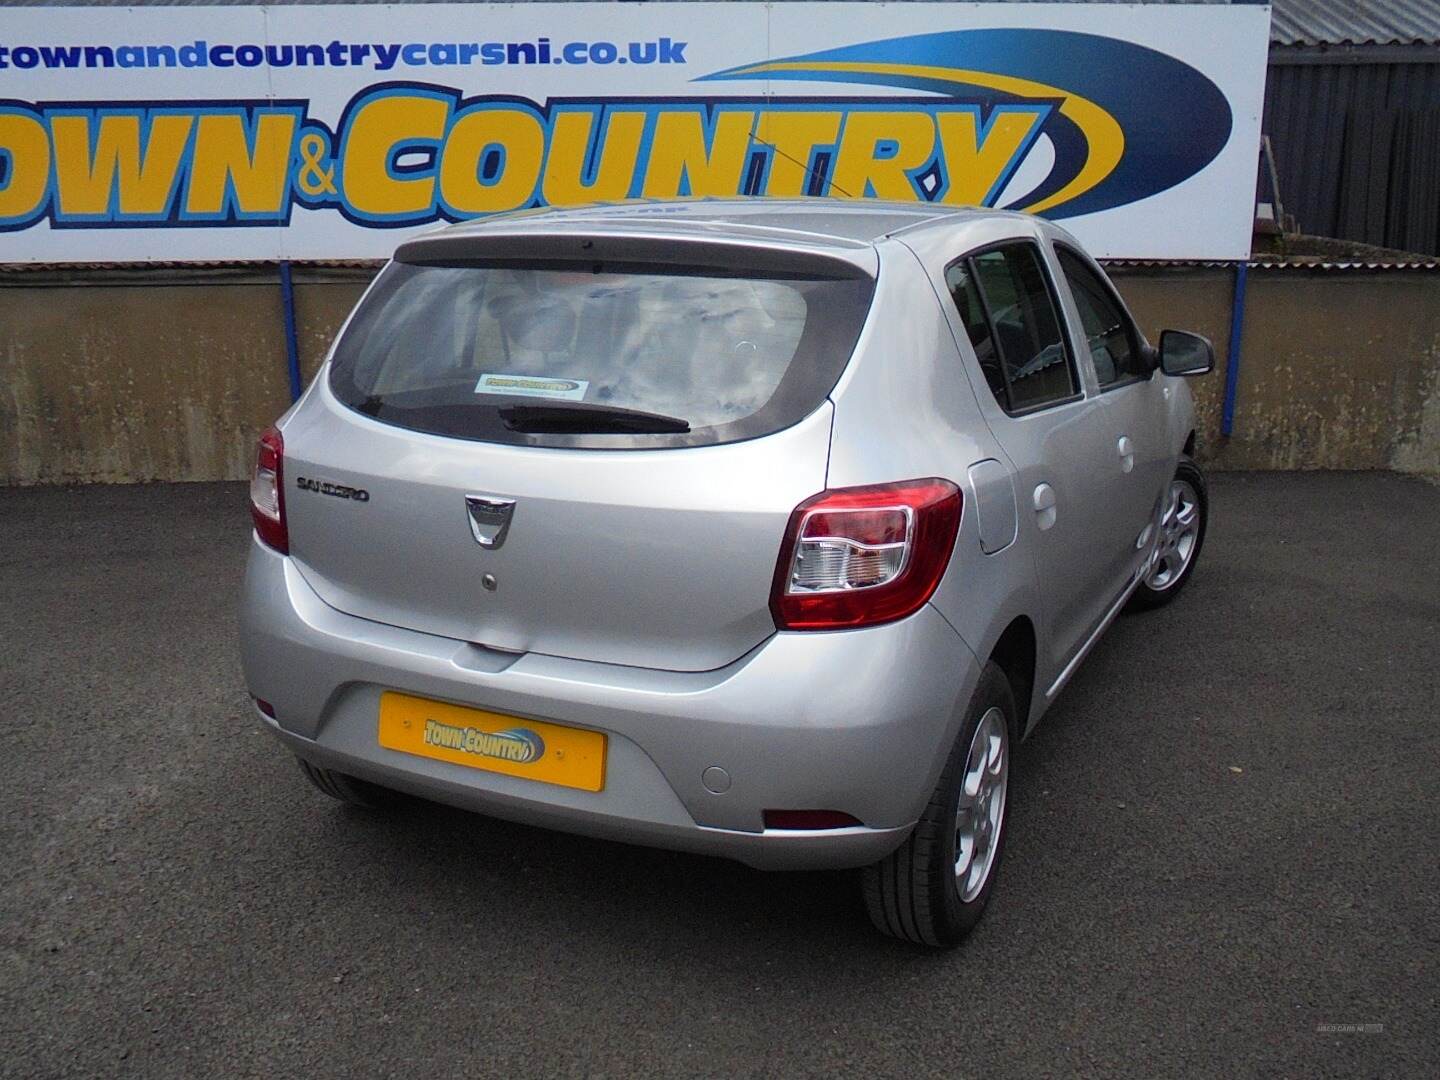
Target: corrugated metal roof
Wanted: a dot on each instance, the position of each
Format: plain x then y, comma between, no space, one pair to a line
1357,22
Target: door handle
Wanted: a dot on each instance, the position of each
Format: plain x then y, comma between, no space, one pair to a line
1044,501
1126,449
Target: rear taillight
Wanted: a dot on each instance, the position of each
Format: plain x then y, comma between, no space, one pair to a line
864,555
267,491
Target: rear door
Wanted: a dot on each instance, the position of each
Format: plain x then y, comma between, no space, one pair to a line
1055,435
585,461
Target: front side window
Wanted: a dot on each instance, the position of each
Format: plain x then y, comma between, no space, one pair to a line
1010,316
1111,340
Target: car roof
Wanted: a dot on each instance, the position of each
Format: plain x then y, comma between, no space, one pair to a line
816,221
781,235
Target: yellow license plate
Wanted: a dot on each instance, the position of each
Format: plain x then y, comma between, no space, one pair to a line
494,742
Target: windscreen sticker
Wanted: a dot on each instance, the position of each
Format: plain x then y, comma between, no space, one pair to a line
532,386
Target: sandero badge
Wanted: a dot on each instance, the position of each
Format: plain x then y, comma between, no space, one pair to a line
325,487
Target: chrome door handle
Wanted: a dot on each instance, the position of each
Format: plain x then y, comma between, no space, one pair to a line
1044,501
1126,450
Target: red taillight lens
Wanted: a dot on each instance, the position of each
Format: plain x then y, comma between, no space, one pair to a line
267,491
864,555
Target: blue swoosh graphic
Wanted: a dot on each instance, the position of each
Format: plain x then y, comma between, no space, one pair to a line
1175,121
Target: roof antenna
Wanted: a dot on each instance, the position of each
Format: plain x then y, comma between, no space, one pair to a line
814,175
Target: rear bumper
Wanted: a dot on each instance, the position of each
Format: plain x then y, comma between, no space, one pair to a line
857,721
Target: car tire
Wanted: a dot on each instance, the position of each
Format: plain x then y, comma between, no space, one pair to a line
1182,534
920,892
348,789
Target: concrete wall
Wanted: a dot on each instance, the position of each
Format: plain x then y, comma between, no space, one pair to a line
151,375
1340,369
124,375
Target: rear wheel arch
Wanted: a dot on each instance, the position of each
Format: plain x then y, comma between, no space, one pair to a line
1014,654
1189,448
934,887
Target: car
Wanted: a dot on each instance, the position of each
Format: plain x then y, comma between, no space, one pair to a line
759,529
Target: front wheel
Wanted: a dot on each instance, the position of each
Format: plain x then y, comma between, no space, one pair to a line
1182,532
933,889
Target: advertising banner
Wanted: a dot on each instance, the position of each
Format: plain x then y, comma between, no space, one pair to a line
334,131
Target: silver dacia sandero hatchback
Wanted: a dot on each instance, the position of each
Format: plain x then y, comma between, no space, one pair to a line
755,528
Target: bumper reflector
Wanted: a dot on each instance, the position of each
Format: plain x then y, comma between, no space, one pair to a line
809,819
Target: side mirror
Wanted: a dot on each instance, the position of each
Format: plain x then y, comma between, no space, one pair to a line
1183,353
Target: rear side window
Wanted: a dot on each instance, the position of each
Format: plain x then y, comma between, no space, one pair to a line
1109,336
977,325
717,355
1018,341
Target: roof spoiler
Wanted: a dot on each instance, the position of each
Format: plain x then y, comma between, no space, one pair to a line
624,249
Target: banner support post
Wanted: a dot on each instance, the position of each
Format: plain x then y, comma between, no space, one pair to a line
292,344
1232,356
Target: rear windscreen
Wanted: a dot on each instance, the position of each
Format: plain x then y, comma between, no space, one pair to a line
563,356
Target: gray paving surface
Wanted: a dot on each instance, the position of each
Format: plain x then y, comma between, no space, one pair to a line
1225,837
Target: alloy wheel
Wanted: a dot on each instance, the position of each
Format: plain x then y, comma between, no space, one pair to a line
1179,533
981,811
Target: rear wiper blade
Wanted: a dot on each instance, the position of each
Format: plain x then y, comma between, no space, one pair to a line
580,418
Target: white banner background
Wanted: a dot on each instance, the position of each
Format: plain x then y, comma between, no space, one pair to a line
1209,215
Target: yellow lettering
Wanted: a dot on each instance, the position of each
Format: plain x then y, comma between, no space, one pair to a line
24,142
518,134
222,153
678,153
619,149
793,135
860,174
145,180
379,126
972,167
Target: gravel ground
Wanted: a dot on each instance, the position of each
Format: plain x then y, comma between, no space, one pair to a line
1222,860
